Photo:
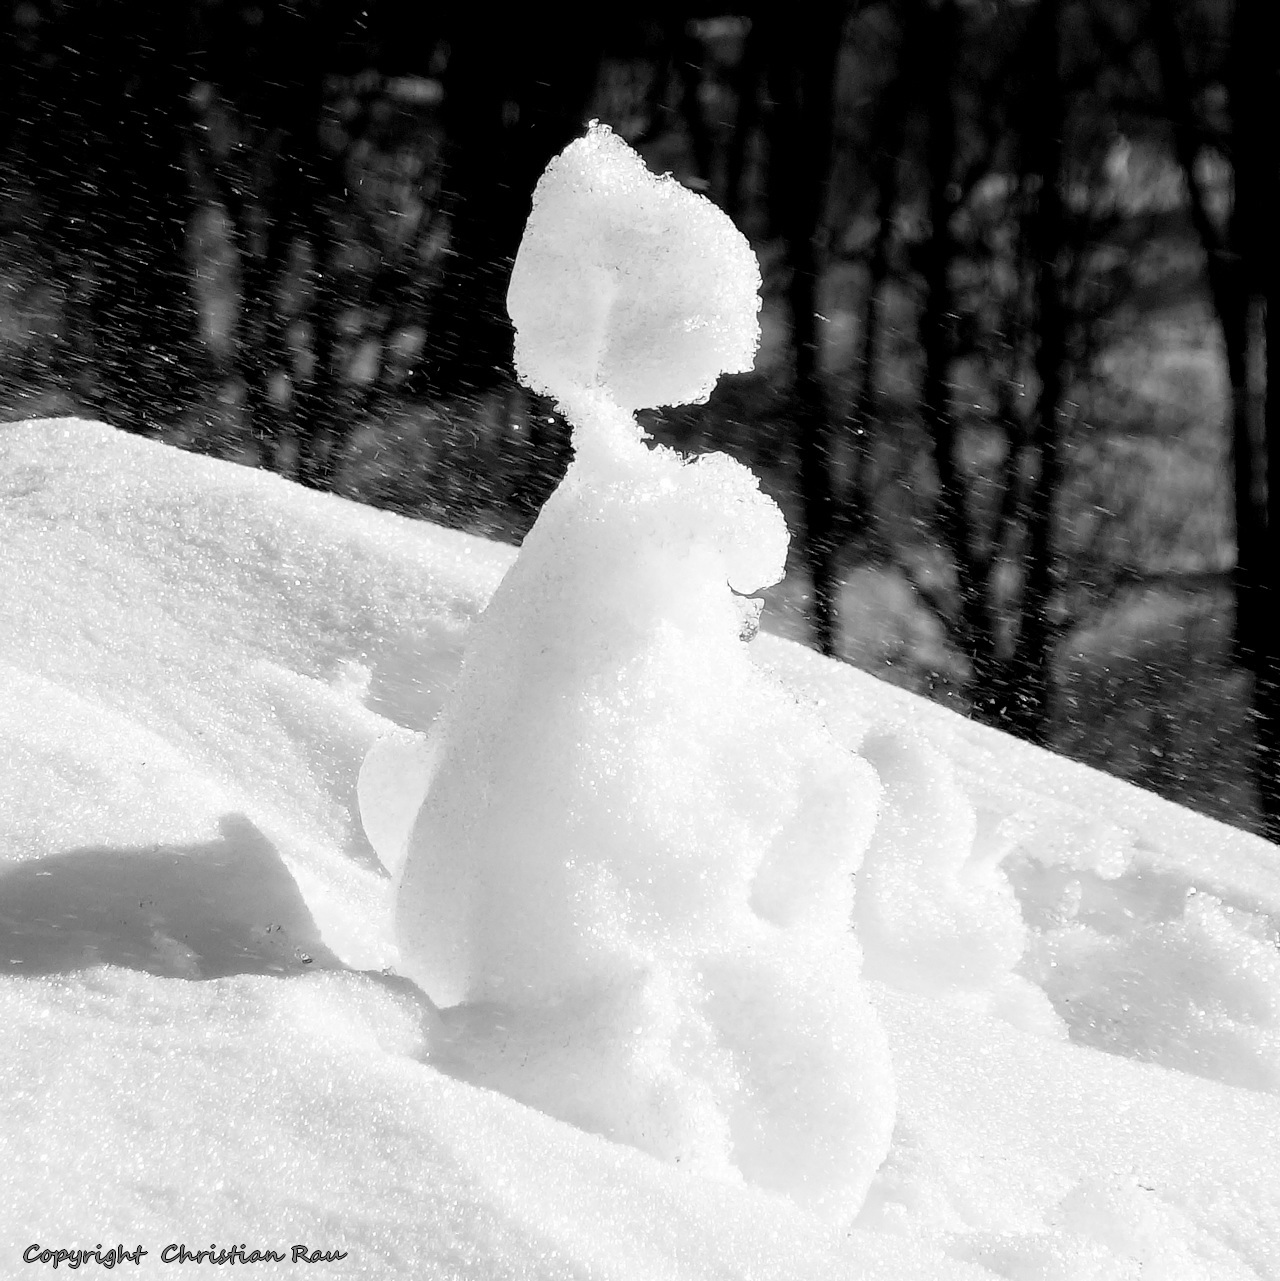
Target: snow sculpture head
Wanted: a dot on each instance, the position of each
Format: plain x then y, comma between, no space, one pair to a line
630,880
629,283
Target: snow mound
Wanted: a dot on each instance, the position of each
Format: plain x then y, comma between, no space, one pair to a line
935,912
201,1045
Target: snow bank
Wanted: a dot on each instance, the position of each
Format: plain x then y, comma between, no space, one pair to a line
238,588
197,659
1140,927
247,1110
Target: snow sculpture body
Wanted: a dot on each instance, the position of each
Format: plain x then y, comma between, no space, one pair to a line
630,883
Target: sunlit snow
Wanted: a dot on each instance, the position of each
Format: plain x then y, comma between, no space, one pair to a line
631,878
664,953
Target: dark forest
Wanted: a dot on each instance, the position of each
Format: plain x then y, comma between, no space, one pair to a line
1013,390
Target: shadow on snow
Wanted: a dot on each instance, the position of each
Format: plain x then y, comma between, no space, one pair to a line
228,906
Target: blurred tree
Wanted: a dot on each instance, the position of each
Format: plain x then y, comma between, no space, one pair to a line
265,122
1220,73
971,194
801,55
989,121
98,112
988,94
1045,230
323,120
516,91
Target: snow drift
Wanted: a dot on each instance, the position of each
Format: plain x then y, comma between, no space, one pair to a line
203,1046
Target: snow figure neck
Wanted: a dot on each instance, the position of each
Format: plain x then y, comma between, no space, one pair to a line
631,880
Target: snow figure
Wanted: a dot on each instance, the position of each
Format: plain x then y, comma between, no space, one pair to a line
630,882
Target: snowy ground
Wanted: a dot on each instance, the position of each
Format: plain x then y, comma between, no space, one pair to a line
207,1043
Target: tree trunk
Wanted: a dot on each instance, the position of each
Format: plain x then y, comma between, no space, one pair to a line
1267,678
802,65
1241,270
746,80
1243,293
1227,275
515,95
854,505
1045,240
1255,96
941,24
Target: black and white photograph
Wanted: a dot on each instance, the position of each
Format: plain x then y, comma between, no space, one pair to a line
634,646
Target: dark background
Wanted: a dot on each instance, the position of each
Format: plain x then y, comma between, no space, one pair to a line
1018,255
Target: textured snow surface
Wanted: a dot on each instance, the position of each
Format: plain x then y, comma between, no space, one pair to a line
202,1046
629,281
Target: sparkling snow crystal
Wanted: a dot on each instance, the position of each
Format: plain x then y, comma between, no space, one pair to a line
630,882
